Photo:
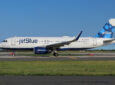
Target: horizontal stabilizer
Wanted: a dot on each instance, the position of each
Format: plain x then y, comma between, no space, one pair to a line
108,41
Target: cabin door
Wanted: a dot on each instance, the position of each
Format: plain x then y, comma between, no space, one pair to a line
13,42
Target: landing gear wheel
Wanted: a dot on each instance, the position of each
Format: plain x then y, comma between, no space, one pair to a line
55,54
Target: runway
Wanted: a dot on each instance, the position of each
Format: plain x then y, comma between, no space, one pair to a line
78,57
58,59
57,80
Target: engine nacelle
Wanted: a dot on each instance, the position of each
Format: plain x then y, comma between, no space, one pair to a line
41,50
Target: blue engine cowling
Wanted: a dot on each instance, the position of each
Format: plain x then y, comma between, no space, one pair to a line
40,50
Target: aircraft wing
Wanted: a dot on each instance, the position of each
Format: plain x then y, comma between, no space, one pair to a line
57,45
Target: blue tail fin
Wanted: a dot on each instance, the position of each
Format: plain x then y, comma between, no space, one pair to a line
107,30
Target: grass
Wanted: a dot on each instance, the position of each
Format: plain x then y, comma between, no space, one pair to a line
58,68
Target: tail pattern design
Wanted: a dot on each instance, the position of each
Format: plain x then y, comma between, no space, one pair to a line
106,32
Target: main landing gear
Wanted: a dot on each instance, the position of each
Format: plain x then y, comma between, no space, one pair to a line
55,53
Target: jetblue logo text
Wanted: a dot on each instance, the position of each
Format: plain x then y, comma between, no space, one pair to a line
28,40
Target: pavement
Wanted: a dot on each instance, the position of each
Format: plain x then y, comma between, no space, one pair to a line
57,58
79,57
57,80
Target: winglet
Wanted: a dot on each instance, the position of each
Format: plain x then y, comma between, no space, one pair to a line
79,35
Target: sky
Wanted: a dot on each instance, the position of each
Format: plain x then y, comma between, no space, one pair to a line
54,17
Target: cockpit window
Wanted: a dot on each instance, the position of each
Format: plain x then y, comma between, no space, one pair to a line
4,41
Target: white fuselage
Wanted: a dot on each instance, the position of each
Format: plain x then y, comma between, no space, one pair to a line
32,42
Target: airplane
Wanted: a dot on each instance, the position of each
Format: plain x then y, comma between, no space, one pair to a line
44,45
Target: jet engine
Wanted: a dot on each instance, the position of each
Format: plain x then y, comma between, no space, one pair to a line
41,50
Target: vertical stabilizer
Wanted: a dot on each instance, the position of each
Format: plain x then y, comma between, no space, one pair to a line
107,30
